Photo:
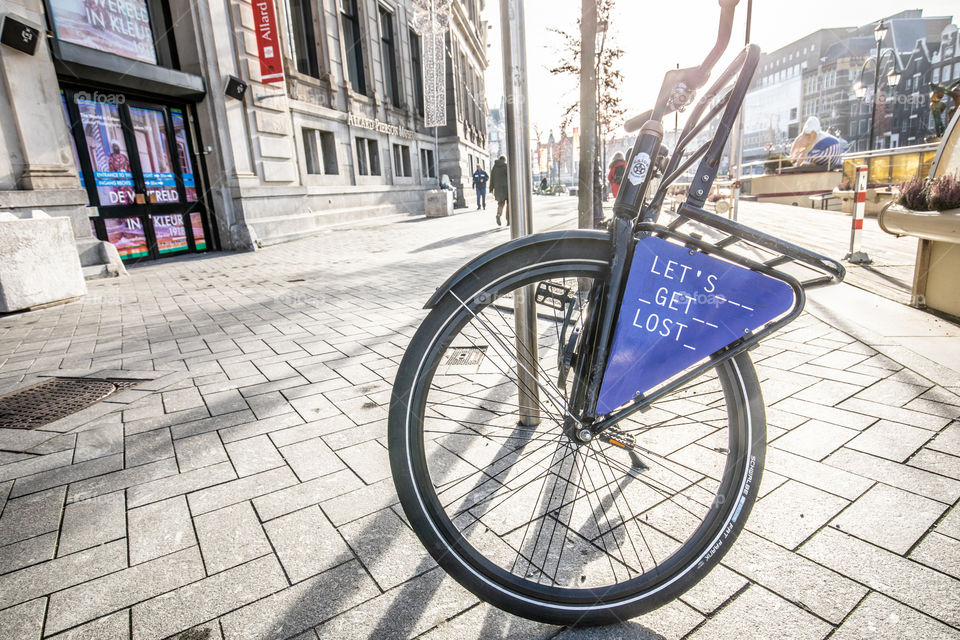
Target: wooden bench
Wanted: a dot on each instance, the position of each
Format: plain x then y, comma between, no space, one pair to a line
823,199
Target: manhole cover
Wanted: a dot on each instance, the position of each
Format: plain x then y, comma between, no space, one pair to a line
56,398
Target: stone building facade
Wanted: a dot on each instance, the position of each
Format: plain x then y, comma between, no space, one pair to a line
127,117
817,75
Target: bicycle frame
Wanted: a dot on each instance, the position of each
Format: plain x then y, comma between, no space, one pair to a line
636,218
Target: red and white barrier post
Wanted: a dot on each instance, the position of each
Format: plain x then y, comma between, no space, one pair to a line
856,255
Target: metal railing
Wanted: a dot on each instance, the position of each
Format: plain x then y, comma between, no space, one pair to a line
887,166
891,166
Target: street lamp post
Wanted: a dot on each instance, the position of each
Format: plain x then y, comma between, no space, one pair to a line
893,77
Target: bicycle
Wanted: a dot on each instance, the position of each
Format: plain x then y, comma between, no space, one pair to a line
576,430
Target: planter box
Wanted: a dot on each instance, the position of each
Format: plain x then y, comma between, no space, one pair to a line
39,262
940,226
438,203
938,254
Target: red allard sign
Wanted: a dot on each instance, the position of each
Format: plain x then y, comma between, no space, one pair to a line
268,44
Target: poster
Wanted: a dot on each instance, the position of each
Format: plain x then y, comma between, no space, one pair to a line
199,240
150,131
127,235
183,153
121,27
108,151
170,232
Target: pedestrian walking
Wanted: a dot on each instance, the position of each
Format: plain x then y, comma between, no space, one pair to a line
500,187
480,179
618,168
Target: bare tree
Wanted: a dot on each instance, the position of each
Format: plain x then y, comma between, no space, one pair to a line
609,109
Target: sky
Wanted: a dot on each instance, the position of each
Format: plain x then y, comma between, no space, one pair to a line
657,35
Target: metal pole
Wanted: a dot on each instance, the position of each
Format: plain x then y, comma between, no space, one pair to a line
735,210
876,87
514,44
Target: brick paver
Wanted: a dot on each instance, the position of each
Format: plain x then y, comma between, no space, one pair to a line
243,491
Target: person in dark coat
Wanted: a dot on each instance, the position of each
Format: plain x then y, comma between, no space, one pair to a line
618,168
480,179
500,187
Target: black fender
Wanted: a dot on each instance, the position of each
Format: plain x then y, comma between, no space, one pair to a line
548,238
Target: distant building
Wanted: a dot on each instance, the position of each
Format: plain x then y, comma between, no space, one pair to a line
817,75
497,131
828,88
936,62
463,142
773,107
903,111
166,127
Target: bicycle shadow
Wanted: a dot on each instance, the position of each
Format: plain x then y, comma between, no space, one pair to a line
449,242
400,619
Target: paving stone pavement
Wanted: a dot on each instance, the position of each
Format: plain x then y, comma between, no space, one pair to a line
242,490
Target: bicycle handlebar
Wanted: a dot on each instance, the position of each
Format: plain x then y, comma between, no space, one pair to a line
727,8
692,78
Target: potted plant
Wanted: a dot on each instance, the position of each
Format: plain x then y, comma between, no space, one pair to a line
775,162
926,208
944,193
913,194
941,194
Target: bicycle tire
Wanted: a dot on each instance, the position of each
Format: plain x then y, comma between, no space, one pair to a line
428,463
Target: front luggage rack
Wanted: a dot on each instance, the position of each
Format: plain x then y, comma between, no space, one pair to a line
767,251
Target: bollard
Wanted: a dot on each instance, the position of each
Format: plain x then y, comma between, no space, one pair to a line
856,255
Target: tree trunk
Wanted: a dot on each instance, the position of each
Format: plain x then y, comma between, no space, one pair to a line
588,109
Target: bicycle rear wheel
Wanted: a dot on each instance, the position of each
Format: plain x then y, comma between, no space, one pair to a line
534,521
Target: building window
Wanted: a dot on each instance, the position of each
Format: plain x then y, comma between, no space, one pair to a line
129,33
416,60
946,73
303,45
353,45
320,151
427,169
388,54
368,157
401,161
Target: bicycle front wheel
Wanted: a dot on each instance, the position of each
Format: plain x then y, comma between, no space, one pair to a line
526,516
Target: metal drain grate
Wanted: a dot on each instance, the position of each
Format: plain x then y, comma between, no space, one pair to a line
56,398
465,356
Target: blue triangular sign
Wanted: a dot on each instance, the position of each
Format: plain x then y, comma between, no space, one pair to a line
679,307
